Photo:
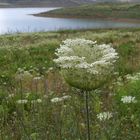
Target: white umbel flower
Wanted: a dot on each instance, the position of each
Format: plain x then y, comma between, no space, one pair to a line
104,116
128,99
56,100
22,101
36,101
60,99
37,78
39,101
21,75
83,61
133,78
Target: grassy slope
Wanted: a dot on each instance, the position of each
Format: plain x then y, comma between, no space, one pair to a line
105,10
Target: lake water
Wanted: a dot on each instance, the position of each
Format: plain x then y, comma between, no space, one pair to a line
19,20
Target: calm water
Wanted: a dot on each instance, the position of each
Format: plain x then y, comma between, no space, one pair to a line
19,19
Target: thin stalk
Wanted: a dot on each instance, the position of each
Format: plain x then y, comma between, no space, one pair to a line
36,86
21,89
87,115
20,118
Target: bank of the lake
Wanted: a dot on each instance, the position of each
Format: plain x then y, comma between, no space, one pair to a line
124,12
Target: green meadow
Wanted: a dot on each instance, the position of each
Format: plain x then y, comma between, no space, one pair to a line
30,81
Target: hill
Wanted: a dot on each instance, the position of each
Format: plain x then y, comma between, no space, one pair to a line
64,1
59,3
98,11
54,3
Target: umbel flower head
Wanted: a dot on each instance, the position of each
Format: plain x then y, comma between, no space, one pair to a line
85,64
128,99
104,116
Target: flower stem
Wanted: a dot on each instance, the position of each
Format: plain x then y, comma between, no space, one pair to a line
87,115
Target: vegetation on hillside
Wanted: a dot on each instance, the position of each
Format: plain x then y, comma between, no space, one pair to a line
101,11
44,3
37,104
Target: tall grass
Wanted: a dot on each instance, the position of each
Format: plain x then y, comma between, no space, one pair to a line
26,108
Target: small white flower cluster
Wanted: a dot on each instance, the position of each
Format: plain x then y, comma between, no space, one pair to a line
27,94
37,78
104,116
21,74
22,101
32,73
119,82
60,99
128,99
36,101
11,95
132,78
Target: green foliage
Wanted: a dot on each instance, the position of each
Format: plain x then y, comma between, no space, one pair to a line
43,119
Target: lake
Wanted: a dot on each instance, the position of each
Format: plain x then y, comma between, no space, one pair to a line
20,20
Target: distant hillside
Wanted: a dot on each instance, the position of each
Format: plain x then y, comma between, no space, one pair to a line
64,1
98,11
53,3
47,2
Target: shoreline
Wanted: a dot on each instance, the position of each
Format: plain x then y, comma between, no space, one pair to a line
35,6
72,31
129,20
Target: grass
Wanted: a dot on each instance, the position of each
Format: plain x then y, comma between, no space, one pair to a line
27,72
98,11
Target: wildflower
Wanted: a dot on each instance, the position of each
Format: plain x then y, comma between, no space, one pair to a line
2,76
128,99
11,95
133,78
20,70
43,68
4,83
45,96
50,69
22,101
37,78
56,100
59,99
82,125
119,81
33,101
66,97
83,61
36,101
64,106
27,94
104,116
23,75
39,101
